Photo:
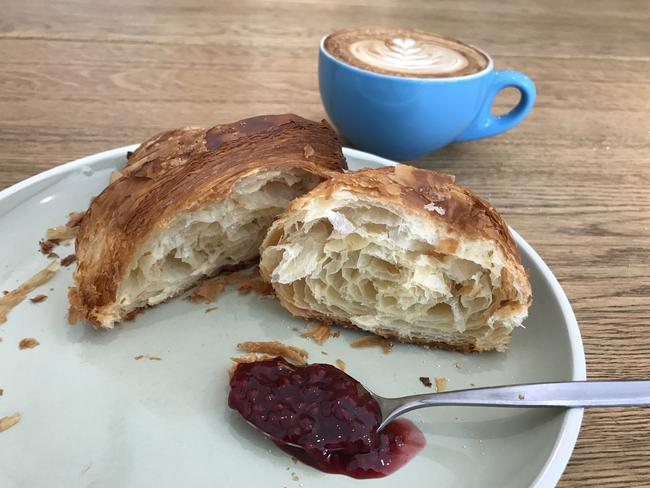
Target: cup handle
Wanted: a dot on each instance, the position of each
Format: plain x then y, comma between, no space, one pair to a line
485,124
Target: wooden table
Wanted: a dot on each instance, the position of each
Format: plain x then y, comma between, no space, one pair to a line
81,76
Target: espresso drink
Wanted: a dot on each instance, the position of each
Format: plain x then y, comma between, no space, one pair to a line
408,53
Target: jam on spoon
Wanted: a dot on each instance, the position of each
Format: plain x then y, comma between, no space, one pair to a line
323,417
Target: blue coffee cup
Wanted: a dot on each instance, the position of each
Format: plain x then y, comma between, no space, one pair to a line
406,118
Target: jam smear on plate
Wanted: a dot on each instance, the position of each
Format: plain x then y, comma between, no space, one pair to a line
323,417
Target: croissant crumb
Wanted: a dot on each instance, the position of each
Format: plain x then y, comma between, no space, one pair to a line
373,341
319,333
276,348
28,343
17,295
9,421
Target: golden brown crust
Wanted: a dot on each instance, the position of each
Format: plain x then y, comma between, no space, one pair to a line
459,207
180,171
416,189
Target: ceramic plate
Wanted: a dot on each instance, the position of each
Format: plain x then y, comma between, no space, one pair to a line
92,415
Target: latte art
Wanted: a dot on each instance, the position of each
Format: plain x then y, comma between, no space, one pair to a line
405,52
408,56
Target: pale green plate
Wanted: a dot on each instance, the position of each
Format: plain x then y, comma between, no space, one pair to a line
93,416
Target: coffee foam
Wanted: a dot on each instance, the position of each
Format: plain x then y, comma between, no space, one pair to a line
407,53
408,56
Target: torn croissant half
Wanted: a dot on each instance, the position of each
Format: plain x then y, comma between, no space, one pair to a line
403,253
190,203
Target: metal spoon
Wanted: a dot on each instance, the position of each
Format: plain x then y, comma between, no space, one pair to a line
563,394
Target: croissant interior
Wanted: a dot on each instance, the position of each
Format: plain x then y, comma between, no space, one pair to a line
361,261
222,233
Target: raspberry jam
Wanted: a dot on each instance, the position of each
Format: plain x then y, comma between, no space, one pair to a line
328,414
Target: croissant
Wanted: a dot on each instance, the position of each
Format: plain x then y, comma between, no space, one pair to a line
189,203
403,253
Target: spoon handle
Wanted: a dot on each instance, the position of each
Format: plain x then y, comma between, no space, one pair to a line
564,394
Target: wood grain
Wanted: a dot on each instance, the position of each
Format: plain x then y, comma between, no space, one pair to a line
80,76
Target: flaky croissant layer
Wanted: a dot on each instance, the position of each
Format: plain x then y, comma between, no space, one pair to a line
217,235
403,253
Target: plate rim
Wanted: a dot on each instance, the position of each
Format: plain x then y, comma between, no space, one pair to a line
565,442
